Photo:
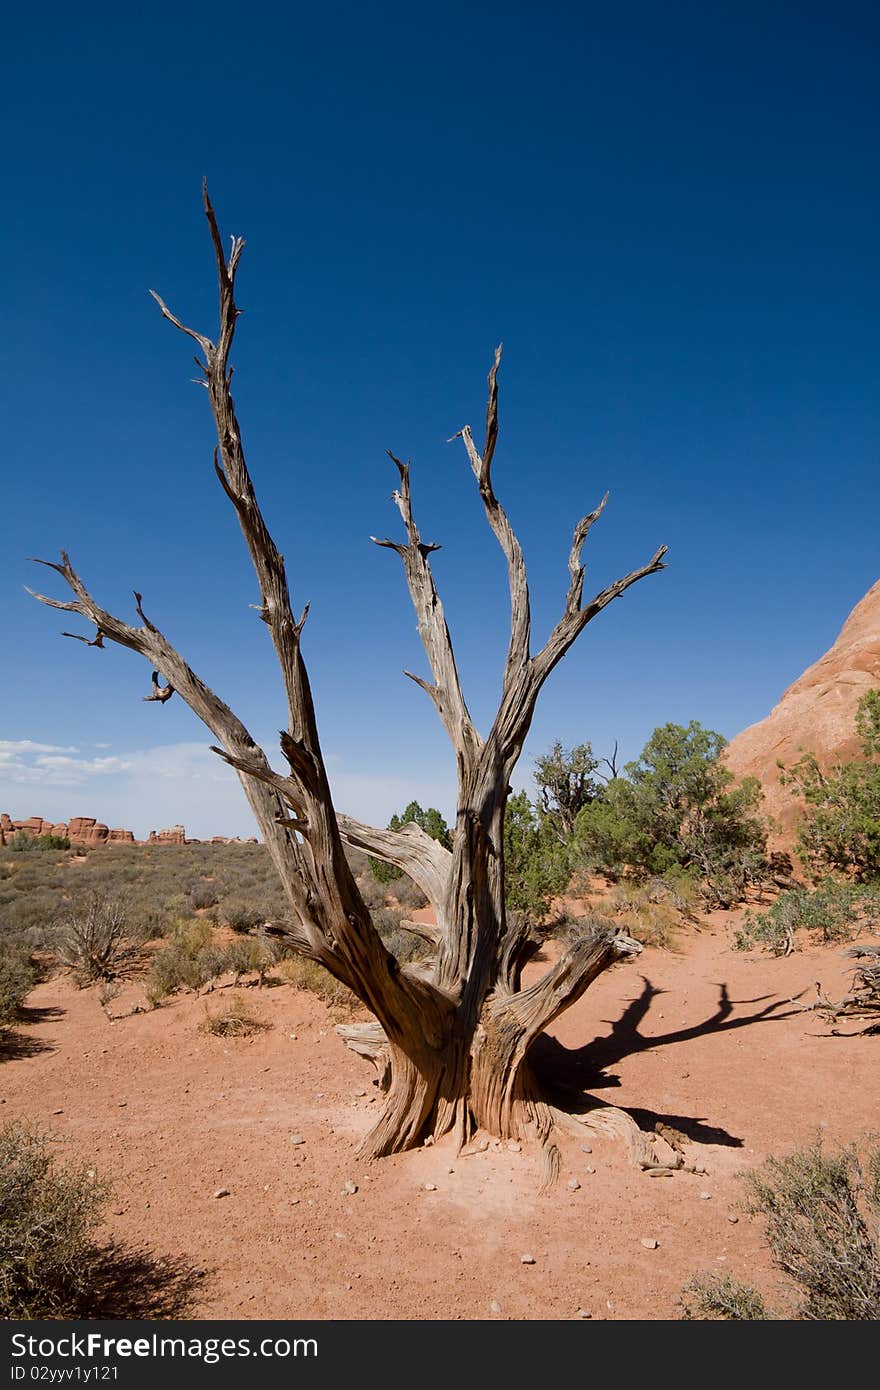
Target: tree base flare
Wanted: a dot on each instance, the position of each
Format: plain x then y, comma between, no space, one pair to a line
419,1106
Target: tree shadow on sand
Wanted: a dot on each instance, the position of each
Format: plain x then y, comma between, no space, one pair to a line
134,1283
567,1071
15,1045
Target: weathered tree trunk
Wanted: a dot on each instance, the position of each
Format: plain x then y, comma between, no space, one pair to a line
452,1034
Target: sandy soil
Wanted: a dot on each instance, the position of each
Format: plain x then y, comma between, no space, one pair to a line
705,1039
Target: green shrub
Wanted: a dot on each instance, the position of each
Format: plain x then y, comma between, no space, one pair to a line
202,895
834,911
47,1216
252,953
405,946
841,827
536,865
21,843
677,809
822,1215
717,1296
821,1220
650,912
190,960
241,912
17,975
50,1264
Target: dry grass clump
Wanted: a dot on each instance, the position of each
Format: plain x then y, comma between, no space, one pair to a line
306,974
234,1020
653,912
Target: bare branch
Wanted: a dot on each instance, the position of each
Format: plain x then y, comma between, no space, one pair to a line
534,1008
410,849
433,630
573,622
426,931
575,568
481,464
256,766
96,641
160,692
205,343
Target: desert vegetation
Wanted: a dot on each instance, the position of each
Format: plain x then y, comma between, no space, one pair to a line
838,845
820,1211
53,1262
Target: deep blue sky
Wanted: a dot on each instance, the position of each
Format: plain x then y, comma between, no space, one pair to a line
669,213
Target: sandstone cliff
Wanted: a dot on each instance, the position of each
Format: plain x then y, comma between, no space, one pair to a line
816,715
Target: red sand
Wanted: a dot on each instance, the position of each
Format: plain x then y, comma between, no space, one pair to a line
706,1040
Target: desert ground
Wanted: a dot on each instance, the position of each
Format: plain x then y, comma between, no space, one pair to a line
709,1040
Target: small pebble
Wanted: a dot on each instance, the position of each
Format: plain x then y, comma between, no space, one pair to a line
120,1103
733,1219
57,1112
429,1141
360,1093
705,1196
350,1188
494,1306
573,1185
588,1169
527,1259
450,1170
222,1192
430,1187
649,1243
514,1146
582,1313
297,1139
586,1148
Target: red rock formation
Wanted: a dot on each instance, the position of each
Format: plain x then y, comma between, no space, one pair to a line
81,830
85,830
816,714
175,836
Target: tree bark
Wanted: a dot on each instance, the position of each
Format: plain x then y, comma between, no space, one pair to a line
452,1035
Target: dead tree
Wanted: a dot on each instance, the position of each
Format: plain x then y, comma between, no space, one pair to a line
452,1035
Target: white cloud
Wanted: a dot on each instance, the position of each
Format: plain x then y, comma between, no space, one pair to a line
182,783
11,750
